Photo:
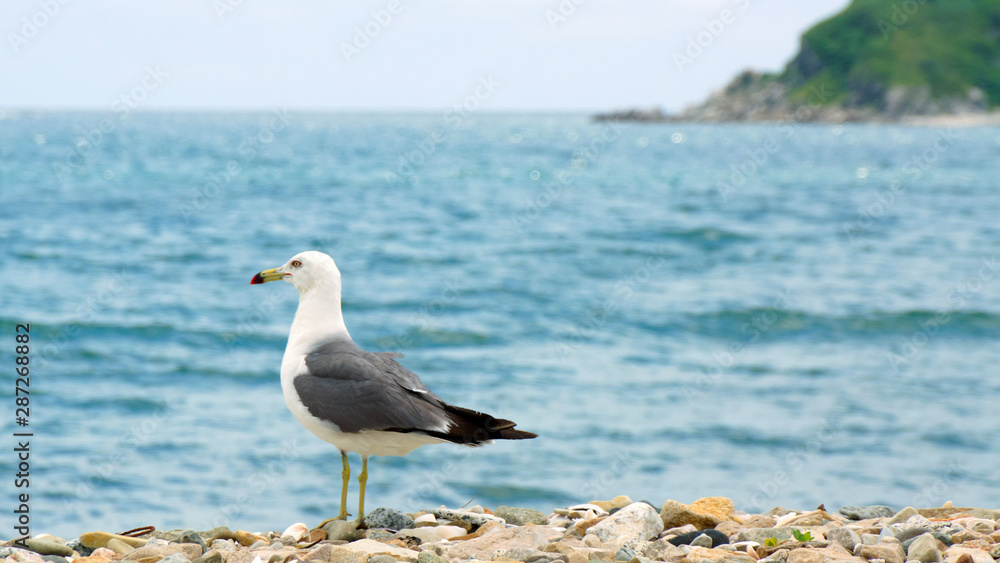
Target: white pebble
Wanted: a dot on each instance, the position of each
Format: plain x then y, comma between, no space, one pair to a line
425,518
296,531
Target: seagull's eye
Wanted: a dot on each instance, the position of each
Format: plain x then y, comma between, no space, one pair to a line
296,263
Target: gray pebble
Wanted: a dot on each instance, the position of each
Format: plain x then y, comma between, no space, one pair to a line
869,539
388,518
259,544
55,559
465,516
887,532
780,556
520,516
213,556
175,558
702,540
45,547
866,512
223,545
191,536
378,534
382,559
625,554
909,535
180,536
845,537
428,557
902,516
78,547
924,549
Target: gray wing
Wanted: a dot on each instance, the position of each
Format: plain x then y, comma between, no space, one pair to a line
359,390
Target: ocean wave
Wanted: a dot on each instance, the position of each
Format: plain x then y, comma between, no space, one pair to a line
779,324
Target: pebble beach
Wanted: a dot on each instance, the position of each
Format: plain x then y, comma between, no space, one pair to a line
709,530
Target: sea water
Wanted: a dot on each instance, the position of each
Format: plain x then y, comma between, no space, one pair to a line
784,314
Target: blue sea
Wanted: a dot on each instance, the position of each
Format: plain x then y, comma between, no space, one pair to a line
785,314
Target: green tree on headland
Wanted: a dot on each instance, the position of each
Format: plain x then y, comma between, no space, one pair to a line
929,49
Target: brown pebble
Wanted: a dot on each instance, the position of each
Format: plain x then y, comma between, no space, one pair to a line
482,530
728,527
558,547
582,526
315,536
246,539
964,558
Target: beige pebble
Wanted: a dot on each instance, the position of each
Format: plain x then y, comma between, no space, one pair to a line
620,501
100,539
119,547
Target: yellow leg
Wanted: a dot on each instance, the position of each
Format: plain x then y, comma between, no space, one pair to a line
362,480
346,474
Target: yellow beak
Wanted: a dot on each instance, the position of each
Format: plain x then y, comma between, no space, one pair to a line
267,276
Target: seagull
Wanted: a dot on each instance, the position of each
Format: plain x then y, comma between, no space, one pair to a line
362,402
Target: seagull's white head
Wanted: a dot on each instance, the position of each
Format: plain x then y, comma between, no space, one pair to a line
307,271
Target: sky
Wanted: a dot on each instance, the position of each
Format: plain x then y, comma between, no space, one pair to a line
503,55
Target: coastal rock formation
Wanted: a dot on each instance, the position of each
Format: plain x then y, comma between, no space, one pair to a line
878,60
